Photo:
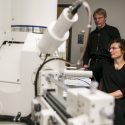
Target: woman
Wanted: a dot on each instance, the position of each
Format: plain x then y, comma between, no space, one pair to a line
113,80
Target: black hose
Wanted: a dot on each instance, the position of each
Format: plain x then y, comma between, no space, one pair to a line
41,66
6,118
37,75
76,6
27,119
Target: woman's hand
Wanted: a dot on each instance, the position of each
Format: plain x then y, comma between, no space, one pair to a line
85,66
117,94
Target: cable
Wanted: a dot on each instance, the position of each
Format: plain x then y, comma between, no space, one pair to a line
41,66
37,74
74,8
27,119
84,81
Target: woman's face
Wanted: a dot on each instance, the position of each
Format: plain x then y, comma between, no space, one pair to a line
115,51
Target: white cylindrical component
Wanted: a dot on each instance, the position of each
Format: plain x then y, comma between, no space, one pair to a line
50,42
78,73
64,23
57,33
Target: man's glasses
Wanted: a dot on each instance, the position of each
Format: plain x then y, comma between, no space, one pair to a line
98,18
114,48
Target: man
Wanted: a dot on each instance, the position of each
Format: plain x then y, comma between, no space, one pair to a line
97,49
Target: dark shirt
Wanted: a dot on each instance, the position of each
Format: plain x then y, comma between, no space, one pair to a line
114,80
98,42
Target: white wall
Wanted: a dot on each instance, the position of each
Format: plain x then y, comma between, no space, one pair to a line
65,1
116,17
24,12
4,20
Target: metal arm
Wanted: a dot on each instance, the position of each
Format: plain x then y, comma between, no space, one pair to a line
88,29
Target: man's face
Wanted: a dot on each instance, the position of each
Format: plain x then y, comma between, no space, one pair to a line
100,20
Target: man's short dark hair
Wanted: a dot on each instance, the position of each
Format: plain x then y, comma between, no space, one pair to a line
100,11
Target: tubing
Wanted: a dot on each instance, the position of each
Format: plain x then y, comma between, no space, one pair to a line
27,119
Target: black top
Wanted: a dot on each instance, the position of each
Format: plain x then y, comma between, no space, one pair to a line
98,42
114,80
